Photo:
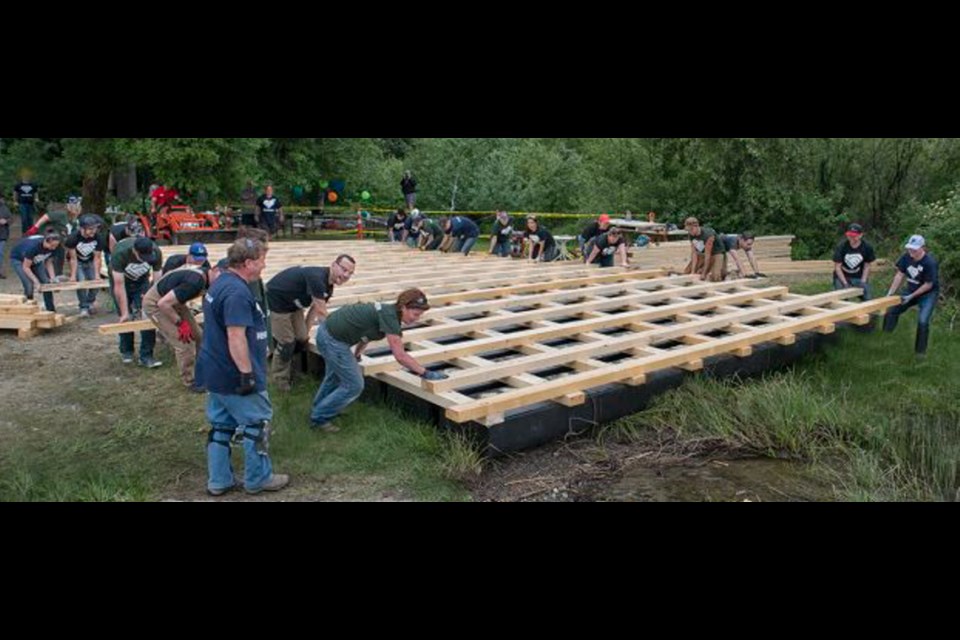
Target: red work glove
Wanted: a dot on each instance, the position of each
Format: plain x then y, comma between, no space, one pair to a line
186,333
33,230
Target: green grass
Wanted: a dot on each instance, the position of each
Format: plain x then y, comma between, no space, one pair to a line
886,423
96,444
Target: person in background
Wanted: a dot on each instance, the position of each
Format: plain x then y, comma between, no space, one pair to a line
5,219
232,367
741,242
395,224
195,256
708,255
852,261
408,185
922,274
269,211
543,248
591,231
26,197
502,236
607,246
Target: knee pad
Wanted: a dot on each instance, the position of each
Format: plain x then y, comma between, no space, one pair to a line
223,436
259,434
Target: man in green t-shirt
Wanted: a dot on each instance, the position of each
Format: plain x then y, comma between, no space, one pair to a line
354,327
708,253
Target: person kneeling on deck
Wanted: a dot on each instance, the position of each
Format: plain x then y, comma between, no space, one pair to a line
431,235
502,237
165,304
232,366
31,261
590,232
359,324
708,254
608,246
923,287
288,294
744,242
462,234
543,248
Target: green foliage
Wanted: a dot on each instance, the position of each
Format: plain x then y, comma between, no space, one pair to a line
939,223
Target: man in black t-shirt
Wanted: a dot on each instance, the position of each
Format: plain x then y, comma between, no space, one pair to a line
269,211
84,251
289,293
852,261
165,304
607,246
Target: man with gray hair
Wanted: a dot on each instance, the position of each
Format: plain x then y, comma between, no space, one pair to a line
232,367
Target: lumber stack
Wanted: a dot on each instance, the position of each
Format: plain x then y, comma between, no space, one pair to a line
25,316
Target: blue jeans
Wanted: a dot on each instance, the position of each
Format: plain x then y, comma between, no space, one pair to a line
853,282
3,243
39,270
26,218
410,199
148,339
502,248
243,415
925,304
86,271
342,380
464,244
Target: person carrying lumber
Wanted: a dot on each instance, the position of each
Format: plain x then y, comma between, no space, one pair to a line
289,293
852,261
85,254
165,305
708,255
922,274
607,246
742,242
591,231
31,261
131,265
341,341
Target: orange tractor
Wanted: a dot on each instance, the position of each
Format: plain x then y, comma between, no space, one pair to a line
179,224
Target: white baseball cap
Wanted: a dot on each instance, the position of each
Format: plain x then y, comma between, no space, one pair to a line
915,242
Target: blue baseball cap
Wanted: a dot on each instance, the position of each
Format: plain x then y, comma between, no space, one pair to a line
198,250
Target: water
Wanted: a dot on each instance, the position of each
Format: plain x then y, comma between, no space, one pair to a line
740,480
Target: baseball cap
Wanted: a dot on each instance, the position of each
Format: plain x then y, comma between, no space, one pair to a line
603,218
89,222
198,250
420,302
915,242
74,200
855,230
144,248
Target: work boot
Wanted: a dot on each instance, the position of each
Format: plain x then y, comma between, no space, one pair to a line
276,482
923,334
326,427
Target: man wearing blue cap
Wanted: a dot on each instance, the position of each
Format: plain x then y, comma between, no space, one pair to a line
196,256
923,285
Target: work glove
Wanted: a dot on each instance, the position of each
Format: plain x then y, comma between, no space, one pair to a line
184,331
248,384
33,230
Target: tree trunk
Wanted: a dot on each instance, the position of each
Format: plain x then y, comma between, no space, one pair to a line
95,192
125,179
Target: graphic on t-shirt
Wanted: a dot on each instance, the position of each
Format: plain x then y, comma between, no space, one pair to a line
914,271
136,270
699,245
853,260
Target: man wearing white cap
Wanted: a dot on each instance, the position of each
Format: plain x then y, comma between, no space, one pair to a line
923,285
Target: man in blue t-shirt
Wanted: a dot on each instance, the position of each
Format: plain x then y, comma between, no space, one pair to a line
232,367
462,234
30,259
923,285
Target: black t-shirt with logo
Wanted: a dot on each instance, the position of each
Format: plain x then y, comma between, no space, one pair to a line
396,222
541,235
295,288
86,248
608,248
124,259
269,205
852,260
920,271
591,231
26,192
503,230
186,284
